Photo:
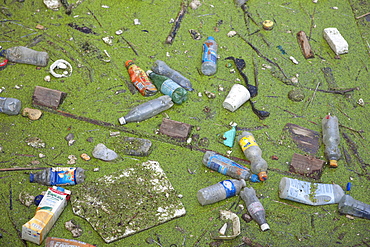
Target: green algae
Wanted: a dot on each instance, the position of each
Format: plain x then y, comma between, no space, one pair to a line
92,93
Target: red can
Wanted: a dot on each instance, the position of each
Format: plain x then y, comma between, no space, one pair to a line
140,79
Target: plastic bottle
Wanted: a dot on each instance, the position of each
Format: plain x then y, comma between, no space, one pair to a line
10,106
253,153
59,176
140,79
254,207
21,54
348,205
220,191
162,68
228,167
147,109
309,193
169,87
331,139
209,58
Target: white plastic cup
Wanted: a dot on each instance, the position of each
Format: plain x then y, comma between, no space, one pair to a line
237,96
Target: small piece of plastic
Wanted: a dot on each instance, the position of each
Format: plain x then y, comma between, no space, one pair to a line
61,64
229,137
228,215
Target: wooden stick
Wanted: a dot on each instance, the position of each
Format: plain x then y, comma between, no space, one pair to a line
176,25
358,17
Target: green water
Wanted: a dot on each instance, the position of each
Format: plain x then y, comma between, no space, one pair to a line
99,90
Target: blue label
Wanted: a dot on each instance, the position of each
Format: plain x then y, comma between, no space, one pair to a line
168,87
62,176
229,188
220,163
209,54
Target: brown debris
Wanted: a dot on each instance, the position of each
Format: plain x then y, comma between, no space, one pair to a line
305,45
175,129
46,97
33,114
307,166
307,140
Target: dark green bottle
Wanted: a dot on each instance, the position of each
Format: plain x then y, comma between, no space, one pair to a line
167,86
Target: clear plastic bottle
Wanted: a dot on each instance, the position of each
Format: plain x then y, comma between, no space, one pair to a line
331,139
209,58
253,153
21,54
349,205
59,176
10,106
309,193
254,207
228,167
169,87
220,191
147,110
140,79
162,68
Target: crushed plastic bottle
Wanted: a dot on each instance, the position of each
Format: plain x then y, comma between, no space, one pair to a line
309,193
254,207
140,79
59,176
167,86
228,167
162,68
21,54
253,153
10,106
147,110
331,139
209,58
220,191
351,206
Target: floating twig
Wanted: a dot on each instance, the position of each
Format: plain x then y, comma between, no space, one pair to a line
359,17
21,169
176,25
95,17
357,131
130,45
313,95
288,204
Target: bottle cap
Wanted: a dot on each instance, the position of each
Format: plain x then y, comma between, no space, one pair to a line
32,177
38,199
254,178
122,120
333,163
148,72
262,176
60,189
211,38
128,63
267,24
265,227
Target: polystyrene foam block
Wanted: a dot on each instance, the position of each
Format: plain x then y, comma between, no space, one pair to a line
335,40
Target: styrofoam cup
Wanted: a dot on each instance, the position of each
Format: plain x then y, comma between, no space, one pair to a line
237,96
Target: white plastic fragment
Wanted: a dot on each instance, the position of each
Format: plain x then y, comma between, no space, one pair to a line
108,40
119,32
335,40
228,215
61,64
137,22
195,4
53,4
293,60
231,33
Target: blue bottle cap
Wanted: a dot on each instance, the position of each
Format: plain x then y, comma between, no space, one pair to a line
349,186
32,177
211,37
254,178
38,199
60,189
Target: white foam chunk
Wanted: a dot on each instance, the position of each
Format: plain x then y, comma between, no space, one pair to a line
335,40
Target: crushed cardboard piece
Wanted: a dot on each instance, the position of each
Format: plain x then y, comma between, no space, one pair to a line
127,201
307,140
307,166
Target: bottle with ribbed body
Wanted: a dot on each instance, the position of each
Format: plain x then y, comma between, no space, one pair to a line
349,205
21,54
169,87
10,106
253,153
331,139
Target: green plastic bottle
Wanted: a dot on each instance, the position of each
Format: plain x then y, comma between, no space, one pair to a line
167,86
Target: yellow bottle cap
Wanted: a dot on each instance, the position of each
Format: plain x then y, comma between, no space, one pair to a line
262,176
333,163
267,24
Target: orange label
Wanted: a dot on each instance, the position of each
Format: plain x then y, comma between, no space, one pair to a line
141,81
247,142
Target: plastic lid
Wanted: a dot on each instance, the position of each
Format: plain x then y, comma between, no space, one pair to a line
262,176
254,178
148,72
61,189
333,163
128,63
211,38
122,120
267,24
265,227
32,177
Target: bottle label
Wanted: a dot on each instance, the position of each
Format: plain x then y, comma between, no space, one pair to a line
141,81
247,142
229,188
63,176
168,87
255,207
209,54
221,164
2,104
